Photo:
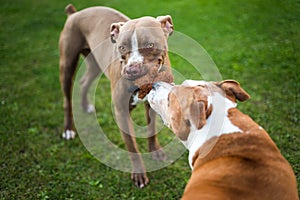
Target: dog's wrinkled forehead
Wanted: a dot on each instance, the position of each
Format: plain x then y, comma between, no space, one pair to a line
147,31
148,28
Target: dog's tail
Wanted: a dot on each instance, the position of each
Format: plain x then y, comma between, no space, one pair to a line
70,9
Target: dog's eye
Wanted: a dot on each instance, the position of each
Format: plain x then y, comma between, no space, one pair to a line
187,122
149,45
122,49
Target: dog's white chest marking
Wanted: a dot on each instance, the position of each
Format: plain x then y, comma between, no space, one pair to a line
135,56
217,124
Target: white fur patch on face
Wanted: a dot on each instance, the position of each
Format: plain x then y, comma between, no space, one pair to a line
135,56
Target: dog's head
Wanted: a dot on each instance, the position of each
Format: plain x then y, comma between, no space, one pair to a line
188,106
141,44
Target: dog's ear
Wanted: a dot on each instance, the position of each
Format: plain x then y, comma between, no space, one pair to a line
115,30
179,125
166,24
199,108
233,90
198,114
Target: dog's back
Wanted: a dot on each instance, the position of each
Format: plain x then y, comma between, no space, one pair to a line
241,166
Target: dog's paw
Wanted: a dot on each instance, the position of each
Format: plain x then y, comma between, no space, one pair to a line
68,134
140,179
159,155
90,108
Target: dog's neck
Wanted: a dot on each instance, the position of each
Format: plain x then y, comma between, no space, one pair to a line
217,124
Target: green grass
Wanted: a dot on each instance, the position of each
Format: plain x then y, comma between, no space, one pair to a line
255,42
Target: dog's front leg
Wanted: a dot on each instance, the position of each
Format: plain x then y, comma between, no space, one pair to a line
138,176
153,144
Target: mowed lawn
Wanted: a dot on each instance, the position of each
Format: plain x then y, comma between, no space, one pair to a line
254,42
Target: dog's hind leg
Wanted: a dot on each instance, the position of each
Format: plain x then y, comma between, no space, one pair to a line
69,55
87,79
153,144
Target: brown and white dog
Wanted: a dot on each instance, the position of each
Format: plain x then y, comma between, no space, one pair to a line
231,156
123,50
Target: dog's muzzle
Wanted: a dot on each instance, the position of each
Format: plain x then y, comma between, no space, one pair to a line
158,99
134,71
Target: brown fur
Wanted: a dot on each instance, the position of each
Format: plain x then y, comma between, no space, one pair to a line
242,166
235,165
233,90
82,33
70,9
189,105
